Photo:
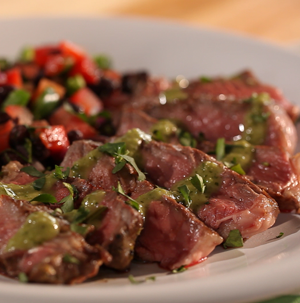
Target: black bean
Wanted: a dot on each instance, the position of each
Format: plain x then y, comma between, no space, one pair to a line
17,135
104,88
5,90
4,117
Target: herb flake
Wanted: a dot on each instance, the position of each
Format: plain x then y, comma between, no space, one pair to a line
184,190
198,183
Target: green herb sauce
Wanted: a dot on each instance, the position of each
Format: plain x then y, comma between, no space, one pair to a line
255,123
133,139
241,153
163,129
27,192
153,195
38,228
92,201
83,166
210,172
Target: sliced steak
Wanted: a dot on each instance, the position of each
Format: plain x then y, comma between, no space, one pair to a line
63,258
173,236
266,124
239,88
230,201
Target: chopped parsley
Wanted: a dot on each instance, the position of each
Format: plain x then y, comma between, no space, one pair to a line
39,183
70,259
220,149
32,171
184,190
131,201
61,174
186,139
198,183
45,198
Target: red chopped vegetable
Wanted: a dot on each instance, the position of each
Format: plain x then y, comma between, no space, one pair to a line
5,129
87,101
55,140
72,122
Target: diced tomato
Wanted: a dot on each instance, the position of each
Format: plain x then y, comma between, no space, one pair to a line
72,50
72,122
88,69
42,53
55,140
5,129
87,101
24,115
54,65
111,75
46,83
12,77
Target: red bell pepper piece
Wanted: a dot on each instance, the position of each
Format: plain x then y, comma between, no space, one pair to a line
87,101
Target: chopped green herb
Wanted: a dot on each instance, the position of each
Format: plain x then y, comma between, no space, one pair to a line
184,190
32,171
238,168
234,239
179,269
23,277
70,259
113,149
119,166
45,198
131,201
198,183
60,174
266,164
81,215
17,97
131,161
280,235
68,201
220,149
38,184
186,139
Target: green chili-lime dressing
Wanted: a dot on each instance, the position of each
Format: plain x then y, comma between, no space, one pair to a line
153,195
92,200
27,191
241,152
255,123
82,167
133,139
173,94
163,129
38,228
210,173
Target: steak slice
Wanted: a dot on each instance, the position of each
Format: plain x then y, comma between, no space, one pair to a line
173,236
266,124
63,259
117,230
230,201
240,87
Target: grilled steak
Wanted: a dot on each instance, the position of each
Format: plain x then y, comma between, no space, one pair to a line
239,88
258,123
229,201
62,257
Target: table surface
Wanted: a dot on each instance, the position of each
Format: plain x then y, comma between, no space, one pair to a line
277,21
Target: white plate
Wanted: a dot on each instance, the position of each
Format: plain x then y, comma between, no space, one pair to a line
266,266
